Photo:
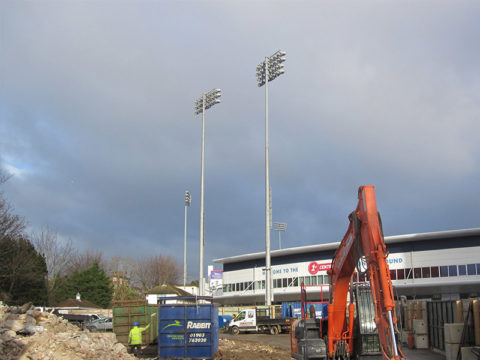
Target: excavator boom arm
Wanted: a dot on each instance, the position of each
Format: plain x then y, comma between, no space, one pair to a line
364,237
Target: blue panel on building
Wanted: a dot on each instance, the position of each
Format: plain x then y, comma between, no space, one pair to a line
293,309
187,331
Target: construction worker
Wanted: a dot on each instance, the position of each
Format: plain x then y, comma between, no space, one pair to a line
135,338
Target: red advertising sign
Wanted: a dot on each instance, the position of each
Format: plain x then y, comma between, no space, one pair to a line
315,267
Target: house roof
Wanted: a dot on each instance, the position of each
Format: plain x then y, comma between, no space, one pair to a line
77,303
168,289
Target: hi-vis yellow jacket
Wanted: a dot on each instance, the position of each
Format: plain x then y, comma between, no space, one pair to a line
135,335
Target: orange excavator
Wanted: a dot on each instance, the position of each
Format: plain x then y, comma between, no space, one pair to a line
364,238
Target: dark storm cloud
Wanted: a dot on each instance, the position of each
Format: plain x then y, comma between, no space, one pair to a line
97,119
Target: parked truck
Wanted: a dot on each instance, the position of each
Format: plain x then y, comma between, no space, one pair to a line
262,320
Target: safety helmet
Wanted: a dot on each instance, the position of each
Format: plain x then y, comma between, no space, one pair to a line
135,323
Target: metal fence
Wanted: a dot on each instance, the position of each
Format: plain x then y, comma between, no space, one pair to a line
439,313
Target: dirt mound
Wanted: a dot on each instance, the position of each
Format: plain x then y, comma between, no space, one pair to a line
28,334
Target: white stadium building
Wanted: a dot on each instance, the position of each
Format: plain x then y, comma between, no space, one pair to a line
440,265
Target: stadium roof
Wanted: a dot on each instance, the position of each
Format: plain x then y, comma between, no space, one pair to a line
332,246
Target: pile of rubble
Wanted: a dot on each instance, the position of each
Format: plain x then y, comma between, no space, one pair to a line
28,334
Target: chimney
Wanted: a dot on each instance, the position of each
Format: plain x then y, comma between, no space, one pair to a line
78,296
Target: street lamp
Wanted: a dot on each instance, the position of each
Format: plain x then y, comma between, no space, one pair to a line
205,102
188,199
267,71
280,227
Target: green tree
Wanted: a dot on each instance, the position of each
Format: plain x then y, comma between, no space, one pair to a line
22,272
92,283
22,269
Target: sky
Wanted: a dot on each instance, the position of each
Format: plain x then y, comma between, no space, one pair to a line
98,131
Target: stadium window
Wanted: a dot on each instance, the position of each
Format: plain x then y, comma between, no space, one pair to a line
409,273
478,269
295,282
434,271
320,279
471,269
301,280
400,274
425,272
393,274
307,280
285,282
290,282
443,271
417,273
314,280
263,284
452,270
326,279
462,270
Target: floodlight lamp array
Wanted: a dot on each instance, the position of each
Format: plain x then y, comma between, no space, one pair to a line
280,226
211,98
188,198
275,67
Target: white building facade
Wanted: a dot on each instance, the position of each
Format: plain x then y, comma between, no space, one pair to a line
442,265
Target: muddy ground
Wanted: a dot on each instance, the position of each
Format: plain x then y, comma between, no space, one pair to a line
268,347
247,350
263,346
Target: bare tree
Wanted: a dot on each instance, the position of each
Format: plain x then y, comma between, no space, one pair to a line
11,225
157,270
59,256
121,265
86,259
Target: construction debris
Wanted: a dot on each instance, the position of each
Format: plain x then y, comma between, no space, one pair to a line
28,334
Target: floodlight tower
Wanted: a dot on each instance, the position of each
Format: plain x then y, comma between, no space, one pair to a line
205,102
280,227
268,70
188,199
